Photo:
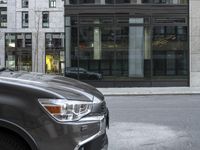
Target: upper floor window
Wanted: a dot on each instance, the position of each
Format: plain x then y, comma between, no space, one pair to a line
3,1
109,1
165,1
45,19
25,19
24,3
52,3
73,1
122,1
82,1
86,1
3,17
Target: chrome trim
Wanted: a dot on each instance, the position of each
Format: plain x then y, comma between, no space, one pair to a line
102,129
93,118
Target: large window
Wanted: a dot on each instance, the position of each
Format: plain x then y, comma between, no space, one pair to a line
45,19
19,51
3,17
25,19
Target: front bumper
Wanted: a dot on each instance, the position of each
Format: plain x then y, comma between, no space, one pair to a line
102,129
89,133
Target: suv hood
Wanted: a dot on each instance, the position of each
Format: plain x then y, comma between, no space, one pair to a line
69,88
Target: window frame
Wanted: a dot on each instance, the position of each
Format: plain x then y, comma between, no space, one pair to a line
43,13
25,6
52,2
3,9
24,19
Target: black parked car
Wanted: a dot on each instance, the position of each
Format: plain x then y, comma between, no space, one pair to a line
43,112
81,73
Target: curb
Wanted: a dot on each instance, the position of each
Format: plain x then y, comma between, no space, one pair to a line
150,91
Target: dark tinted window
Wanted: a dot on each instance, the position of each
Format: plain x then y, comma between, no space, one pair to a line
122,1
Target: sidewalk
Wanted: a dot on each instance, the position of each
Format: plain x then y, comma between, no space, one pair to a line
150,91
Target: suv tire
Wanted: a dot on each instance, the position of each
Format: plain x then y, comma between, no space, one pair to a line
12,142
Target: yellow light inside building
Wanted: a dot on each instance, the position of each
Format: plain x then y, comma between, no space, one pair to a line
49,62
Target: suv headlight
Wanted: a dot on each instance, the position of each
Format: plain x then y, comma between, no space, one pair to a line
64,110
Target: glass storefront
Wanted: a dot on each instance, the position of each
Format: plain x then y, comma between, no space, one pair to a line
129,48
19,51
54,43
121,49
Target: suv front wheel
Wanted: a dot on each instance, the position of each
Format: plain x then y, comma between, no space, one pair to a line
11,142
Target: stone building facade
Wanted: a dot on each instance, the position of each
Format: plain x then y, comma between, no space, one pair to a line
29,33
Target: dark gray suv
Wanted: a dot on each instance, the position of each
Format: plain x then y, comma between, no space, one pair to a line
43,112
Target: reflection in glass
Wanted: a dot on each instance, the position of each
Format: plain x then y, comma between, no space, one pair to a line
108,37
127,49
170,51
86,37
122,37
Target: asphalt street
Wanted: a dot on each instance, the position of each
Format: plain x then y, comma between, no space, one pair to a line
170,122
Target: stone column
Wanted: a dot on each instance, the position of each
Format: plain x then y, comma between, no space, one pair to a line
66,2
41,53
97,40
68,42
34,57
103,2
2,49
194,43
97,43
147,43
98,1
175,2
136,48
136,1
